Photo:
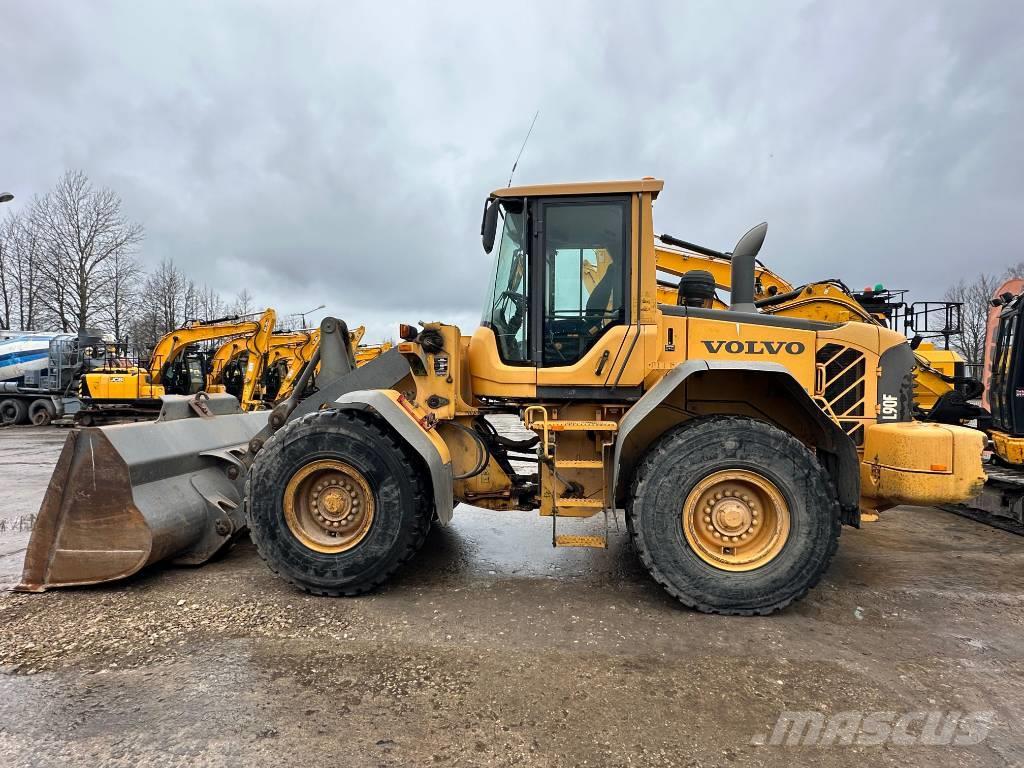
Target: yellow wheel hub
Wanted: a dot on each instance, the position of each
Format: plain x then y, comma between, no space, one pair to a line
328,506
736,520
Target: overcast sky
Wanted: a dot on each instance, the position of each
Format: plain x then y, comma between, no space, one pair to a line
339,153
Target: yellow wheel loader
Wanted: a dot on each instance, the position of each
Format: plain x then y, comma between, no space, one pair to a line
136,391
735,441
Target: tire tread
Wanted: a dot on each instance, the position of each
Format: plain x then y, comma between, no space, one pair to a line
421,497
641,478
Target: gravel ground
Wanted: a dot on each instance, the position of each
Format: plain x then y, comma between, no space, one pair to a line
493,649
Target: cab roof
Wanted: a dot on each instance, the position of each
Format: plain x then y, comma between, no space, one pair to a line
646,184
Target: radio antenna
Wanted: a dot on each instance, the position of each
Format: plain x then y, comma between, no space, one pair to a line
535,115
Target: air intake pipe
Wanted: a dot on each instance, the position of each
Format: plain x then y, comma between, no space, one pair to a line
743,256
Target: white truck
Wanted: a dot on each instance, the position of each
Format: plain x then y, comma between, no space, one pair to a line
39,373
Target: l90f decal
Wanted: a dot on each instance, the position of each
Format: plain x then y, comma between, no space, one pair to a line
890,407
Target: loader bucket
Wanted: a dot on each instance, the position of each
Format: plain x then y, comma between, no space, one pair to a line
126,496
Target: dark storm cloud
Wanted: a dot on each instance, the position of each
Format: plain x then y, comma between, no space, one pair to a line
340,152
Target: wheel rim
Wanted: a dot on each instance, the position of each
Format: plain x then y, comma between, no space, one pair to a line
736,520
328,506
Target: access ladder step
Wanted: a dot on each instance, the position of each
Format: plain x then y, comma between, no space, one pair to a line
570,501
568,540
579,426
579,464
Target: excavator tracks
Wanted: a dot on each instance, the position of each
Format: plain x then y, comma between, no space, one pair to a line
1001,502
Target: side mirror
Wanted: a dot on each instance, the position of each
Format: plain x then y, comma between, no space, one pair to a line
489,225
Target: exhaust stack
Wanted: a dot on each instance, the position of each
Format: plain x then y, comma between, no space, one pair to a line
743,257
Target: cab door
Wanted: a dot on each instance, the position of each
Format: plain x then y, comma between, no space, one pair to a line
582,325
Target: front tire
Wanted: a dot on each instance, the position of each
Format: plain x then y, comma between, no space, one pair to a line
337,503
732,515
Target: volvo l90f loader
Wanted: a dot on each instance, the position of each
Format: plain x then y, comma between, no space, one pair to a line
736,442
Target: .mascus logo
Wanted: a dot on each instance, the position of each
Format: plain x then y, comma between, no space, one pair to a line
755,347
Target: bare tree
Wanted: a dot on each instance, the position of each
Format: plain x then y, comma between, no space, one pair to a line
82,229
163,290
210,305
169,300
243,303
121,301
21,277
191,301
8,292
976,298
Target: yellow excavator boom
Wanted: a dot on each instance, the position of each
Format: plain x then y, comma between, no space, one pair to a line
298,355
134,384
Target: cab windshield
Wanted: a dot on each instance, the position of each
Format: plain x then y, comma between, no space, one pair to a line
506,309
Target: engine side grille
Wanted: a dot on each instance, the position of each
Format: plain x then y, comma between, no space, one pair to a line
842,389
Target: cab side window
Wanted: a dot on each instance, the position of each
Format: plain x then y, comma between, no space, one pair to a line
585,273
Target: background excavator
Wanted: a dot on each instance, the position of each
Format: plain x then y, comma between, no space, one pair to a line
254,365
1001,502
247,366
135,391
288,354
288,362
733,449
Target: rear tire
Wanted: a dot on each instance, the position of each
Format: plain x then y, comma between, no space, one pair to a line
372,464
676,520
13,411
42,412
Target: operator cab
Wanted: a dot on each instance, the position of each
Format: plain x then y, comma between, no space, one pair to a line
563,290
576,273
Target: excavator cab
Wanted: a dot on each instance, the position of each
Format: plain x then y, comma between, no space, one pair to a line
186,375
1006,383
